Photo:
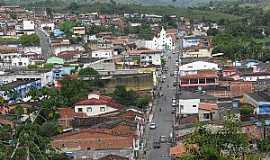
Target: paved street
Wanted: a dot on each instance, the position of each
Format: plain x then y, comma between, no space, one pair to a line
164,118
44,43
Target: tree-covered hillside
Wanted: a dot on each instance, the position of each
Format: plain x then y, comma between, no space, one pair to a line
179,3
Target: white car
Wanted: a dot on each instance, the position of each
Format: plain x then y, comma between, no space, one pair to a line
152,126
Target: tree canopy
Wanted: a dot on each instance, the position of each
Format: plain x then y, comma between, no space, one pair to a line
130,97
29,40
212,144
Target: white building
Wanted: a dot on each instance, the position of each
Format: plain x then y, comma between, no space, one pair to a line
28,27
20,62
47,26
96,105
147,57
253,77
189,106
103,53
162,42
198,53
192,68
189,102
61,48
32,49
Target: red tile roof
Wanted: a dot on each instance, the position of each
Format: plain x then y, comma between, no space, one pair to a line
68,54
201,74
94,139
103,100
178,150
113,157
69,113
208,106
143,51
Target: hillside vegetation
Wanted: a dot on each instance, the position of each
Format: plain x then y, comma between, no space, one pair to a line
179,3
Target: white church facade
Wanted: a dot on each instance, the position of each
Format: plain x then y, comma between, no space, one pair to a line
163,42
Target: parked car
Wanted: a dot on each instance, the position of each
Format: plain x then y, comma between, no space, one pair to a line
173,110
163,139
174,102
152,126
156,144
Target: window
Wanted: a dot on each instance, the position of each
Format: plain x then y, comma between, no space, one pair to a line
102,109
150,57
79,109
206,116
194,105
181,106
89,109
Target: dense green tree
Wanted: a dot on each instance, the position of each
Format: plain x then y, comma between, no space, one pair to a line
264,145
67,26
246,110
29,40
125,97
89,72
2,101
229,139
73,7
129,97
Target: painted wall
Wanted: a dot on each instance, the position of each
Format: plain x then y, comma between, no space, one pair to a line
93,110
148,59
189,106
102,54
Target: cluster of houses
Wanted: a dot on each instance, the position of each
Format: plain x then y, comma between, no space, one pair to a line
210,90
98,127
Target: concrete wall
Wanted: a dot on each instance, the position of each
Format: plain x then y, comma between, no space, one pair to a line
137,82
102,153
93,110
190,106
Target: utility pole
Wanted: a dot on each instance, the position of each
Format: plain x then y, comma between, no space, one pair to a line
179,57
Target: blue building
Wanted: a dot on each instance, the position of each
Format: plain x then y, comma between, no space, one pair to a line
260,100
18,89
58,33
60,71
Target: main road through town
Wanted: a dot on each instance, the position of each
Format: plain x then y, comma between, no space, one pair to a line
44,42
162,113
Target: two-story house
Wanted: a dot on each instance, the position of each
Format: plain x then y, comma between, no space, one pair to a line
96,105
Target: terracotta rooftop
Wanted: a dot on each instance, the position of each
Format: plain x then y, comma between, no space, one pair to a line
94,139
6,49
201,74
181,149
178,150
143,51
113,157
69,113
208,106
103,100
68,54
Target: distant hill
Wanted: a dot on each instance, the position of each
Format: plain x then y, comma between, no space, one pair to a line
179,3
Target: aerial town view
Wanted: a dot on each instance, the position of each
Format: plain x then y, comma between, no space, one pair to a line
134,79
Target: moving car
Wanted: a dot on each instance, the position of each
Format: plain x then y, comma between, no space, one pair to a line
156,144
152,126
